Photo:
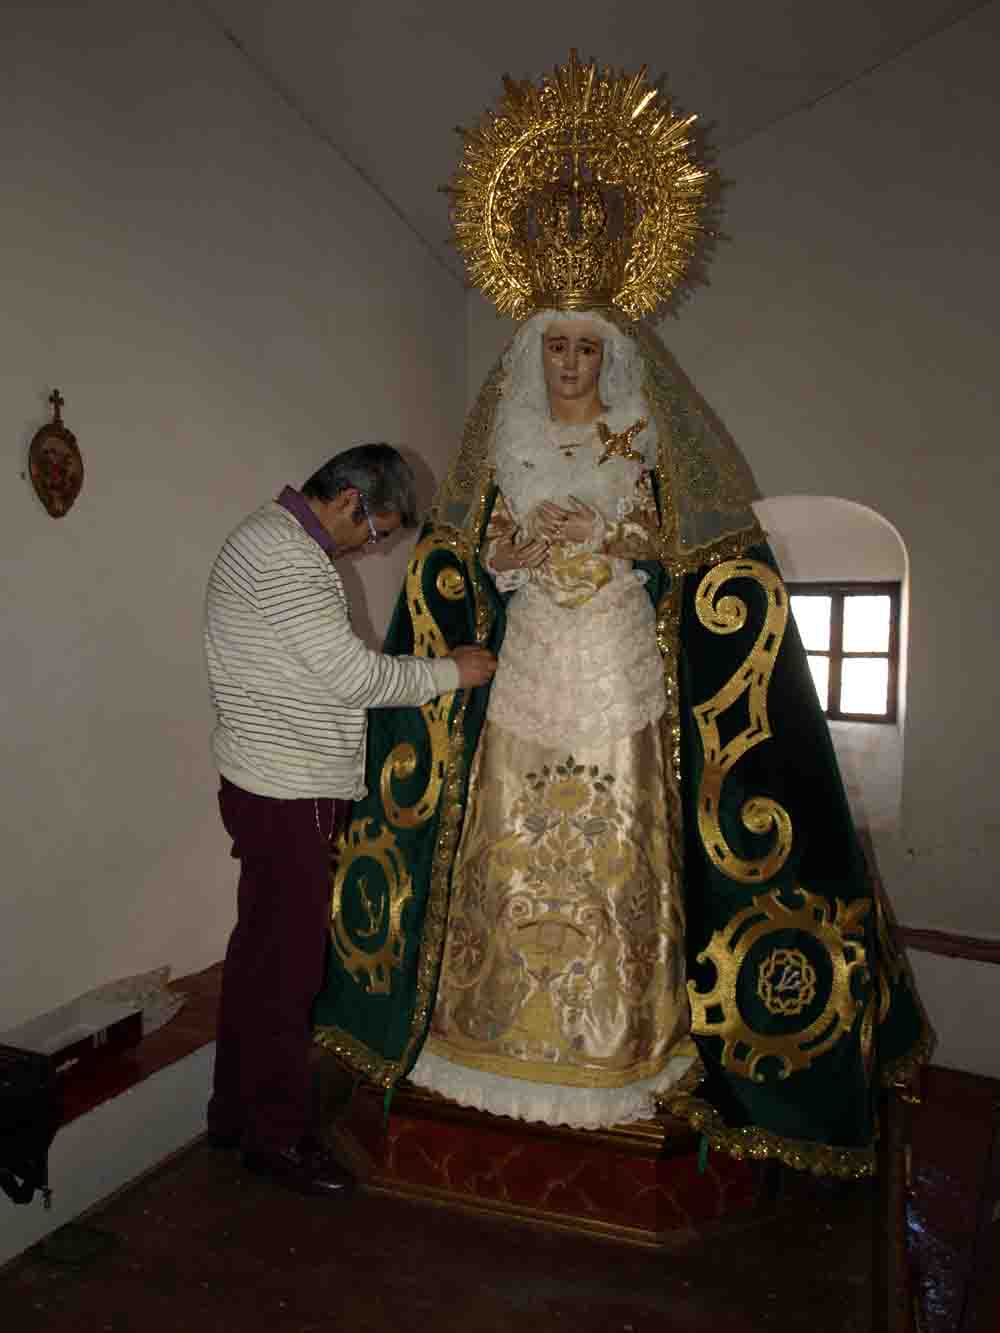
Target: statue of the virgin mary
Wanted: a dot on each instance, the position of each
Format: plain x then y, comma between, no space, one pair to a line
624,876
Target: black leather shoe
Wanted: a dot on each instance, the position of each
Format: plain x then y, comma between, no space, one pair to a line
304,1171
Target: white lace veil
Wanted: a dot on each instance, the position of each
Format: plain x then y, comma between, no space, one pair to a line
706,487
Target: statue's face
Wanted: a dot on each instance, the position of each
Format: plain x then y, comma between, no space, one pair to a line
571,356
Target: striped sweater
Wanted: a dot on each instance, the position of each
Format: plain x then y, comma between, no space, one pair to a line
291,682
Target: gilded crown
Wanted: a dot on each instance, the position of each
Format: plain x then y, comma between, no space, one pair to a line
579,193
576,239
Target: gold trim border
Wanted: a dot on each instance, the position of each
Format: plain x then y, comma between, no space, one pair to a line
901,1075
664,1137
761,1145
640,1237
452,808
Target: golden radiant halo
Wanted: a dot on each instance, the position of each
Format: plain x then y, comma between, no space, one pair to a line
616,132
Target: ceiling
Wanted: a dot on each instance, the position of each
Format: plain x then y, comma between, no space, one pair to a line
385,82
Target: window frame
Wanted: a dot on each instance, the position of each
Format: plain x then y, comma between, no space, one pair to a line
837,592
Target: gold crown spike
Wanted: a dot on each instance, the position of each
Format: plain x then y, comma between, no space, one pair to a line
579,193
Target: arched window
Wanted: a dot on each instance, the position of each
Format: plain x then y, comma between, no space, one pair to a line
850,631
846,570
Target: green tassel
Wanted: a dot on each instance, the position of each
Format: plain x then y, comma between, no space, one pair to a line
386,1104
703,1155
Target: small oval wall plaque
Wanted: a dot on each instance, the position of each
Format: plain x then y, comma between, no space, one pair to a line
55,462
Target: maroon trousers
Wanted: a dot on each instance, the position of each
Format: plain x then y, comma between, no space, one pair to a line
274,966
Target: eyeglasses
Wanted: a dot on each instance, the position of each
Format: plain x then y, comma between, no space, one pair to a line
374,536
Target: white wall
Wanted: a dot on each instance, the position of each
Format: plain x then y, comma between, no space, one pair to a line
819,538
223,304
849,341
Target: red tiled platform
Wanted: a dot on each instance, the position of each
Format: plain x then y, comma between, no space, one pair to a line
638,1183
634,1183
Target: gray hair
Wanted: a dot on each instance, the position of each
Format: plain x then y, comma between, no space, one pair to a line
381,474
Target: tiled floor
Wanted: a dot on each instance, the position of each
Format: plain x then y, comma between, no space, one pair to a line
201,1247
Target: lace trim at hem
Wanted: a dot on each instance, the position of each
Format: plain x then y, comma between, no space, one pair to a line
551,1104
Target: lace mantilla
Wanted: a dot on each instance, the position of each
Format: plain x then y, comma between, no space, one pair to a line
706,487
537,459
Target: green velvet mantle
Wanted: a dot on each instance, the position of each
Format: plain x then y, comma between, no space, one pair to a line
801,1005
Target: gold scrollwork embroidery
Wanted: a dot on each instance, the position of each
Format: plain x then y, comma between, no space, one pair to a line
786,982
428,641
716,1012
759,814
381,907
451,584
385,1070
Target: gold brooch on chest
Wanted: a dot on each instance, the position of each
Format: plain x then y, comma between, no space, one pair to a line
620,445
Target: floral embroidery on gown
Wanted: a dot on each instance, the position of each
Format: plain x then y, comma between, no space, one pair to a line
562,992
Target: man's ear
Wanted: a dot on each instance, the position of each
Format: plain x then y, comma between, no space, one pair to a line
344,502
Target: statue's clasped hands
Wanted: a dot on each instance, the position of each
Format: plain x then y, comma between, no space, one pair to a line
554,523
558,524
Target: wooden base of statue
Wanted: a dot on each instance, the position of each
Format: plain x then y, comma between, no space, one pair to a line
638,1183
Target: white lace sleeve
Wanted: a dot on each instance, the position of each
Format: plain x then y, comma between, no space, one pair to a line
599,531
635,534
501,527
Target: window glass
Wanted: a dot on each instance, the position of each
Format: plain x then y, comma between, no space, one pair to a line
864,685
850,632
866,624
812,615
820,668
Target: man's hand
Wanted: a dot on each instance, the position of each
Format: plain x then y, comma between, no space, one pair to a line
475,665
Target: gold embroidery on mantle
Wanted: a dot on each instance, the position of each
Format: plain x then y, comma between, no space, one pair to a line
428,641
759,814
787,982
359,1056
838,941
822,1159
452,805
372,969
761,1145
450,583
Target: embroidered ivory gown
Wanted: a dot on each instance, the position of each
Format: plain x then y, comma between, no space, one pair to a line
562,993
